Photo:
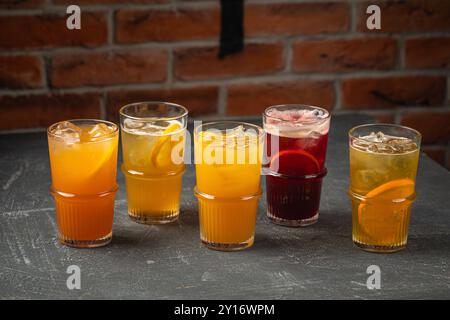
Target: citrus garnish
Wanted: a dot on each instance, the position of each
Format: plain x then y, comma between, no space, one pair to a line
395,189
381,214
162,150
294,162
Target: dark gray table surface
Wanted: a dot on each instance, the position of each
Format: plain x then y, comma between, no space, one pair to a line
169,262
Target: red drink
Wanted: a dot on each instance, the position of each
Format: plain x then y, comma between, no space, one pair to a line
296,143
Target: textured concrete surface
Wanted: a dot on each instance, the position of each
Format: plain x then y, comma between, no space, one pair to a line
164,262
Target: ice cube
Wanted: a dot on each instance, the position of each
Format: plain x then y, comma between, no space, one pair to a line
381,148
379,137
145,127
98,131
235,132
68,131
383,143
298,123
94,132
133,124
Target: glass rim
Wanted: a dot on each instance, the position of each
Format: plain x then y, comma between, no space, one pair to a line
392,125
302,107
112,133
122,111
260,129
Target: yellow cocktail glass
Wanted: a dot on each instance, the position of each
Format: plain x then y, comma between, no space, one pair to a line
228,167
153,139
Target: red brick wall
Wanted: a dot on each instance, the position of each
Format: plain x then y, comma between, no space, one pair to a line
313,52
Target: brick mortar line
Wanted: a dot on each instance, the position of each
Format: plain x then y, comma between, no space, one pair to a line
61,11
288,53
44,76
46,70
426,35
337,95
353,17
401,52
407,34
118,47
170,68
397,116
222,101
240,79
110,23
207,43
213,42
419,109
281,76
61,8
49,6
103,108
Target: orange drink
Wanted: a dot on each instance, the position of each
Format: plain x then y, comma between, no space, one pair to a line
383,167
83,160
228,167
153,138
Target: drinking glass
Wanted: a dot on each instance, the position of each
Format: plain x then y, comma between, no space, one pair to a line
83,161
294,165
153,139
228,167
383,167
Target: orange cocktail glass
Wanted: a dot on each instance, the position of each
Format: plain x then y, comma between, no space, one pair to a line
228,167
83,160
383,167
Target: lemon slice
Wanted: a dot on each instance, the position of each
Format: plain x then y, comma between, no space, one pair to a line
382,215
161,152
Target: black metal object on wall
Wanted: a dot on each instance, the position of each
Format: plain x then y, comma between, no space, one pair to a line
232,27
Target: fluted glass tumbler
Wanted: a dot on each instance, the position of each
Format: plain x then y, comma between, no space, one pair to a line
153,143
383,167
295,152
228,167
83,160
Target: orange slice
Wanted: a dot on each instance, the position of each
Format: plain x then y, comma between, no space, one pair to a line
98,153
382,214
395,189
162,151
294,162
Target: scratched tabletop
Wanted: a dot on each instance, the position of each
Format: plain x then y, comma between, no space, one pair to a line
169,262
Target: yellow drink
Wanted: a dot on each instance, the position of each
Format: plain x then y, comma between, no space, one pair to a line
383,168
83,159
153,138
228,168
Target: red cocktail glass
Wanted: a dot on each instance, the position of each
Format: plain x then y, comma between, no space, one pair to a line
294,162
